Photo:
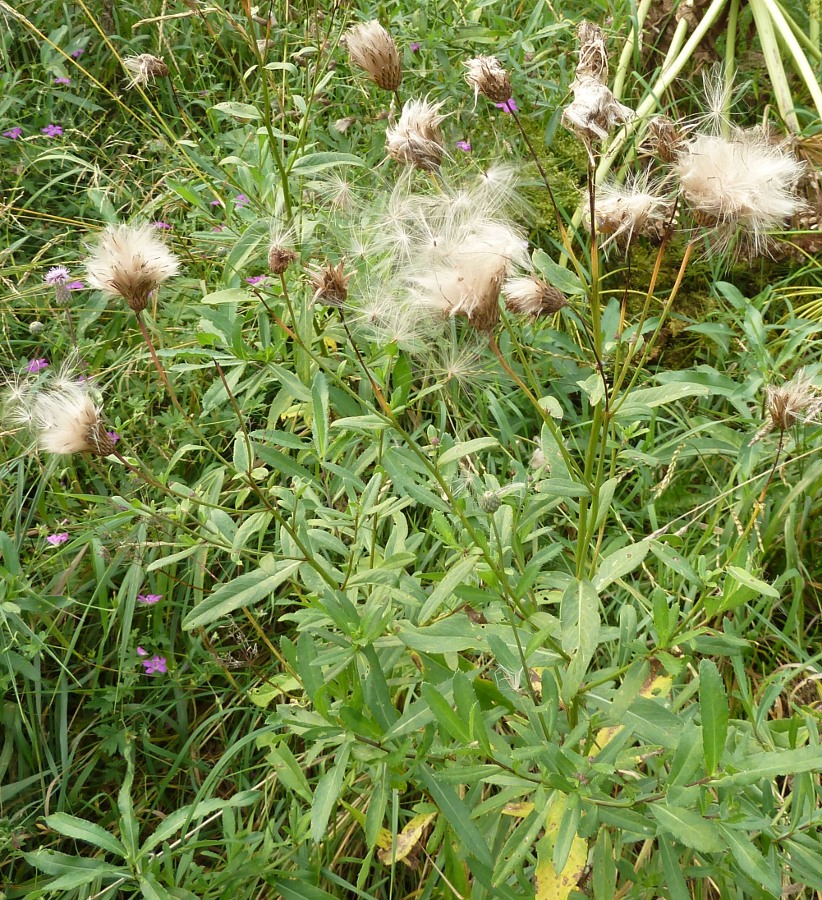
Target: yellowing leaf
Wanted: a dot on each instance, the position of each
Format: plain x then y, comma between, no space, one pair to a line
519,810
407,839
552,885
655,686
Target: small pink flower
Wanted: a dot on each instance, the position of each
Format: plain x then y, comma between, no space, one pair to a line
155,664
62,80
218,228
162,226
256,279
78,53
508,106
149,599
52,130
142,652
13,133
75,286
415,45
464,145
56,539
113,436
218,202
240,200
37,365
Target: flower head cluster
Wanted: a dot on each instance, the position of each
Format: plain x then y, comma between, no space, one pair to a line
62,415
416,140
371,47
144,68
130,262
487,76
743,185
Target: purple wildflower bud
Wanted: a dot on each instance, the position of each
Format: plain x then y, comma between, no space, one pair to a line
218,228
52,130
56,539
78,53
464,145
75,286
415,45
13,133
56,275
142,652
162,226
37,365
62,80
240,200
113,436
218,202
508,106
256,279
149,599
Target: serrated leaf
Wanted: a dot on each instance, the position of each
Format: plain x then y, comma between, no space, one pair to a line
713,708
245,590
319,402
688,828
751,861
755,584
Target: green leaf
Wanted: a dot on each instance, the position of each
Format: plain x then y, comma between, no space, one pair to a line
81,830
238,110
638,404
246,590
457,814
672,866
713,708
152,889
755,584
466,448
604,867
444,591
327,794
562,279
688,828
318,162
129,828
450,723
620,563
580,624
319,397
751,862
767,765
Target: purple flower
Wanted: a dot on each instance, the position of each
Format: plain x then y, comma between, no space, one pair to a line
240,200
142,652
162,226
218,228
13,133
508,106
52,130
78,53
218,202
255,279
75,286
62,80
57,275
56,539
464,145
149,599
113,436
37,365
415,45
155,664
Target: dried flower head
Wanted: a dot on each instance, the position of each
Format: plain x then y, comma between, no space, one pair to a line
594,111
797,400
533,297
664,138
743,184
416,140
130,262
487,76
637,207
371,47
144,68
62,416
280,258
330,284
593,60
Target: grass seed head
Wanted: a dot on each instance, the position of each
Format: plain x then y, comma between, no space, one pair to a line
144,68
533,297
416,140
130,262
487,76
371,47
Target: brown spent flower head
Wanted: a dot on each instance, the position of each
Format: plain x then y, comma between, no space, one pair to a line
487,76
797,400
416,140
593,60
63,417
330,284
533,297
371,47
130,262
280,258
637,207
664,138
144,68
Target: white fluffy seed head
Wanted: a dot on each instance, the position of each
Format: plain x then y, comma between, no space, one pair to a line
63,417
487,76
594,111
143,69
533,297
743,183
130,262
416,140
371,47
797,400
637,207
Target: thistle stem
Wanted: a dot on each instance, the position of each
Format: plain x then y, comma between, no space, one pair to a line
159,366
